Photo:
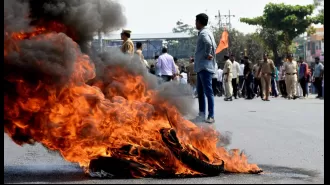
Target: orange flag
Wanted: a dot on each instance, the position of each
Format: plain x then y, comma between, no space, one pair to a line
223,42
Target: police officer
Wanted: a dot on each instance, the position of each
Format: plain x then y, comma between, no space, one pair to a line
228,76
291,70
267,68
127,46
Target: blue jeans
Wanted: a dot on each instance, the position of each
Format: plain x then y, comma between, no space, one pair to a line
204,88
274,92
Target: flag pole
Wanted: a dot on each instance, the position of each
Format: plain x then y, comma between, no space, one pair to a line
227,49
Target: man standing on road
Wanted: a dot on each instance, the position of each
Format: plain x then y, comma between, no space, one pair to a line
248,78
318,76
303,76
291,70
235,71
282,81
220,85
192,76
205,66
165,64
267,67
242,77
257,81
139,53
227,78
127,46
176,76
215,82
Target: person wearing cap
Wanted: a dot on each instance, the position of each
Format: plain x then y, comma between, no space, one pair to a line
318,76
248,77
228,76
205,67
192,75
127,46
291,79
267,68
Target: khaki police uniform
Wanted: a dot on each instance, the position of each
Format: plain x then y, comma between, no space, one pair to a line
128,47
228,76
192,75
291,79
266,70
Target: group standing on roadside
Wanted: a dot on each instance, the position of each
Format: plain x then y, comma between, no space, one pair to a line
235,80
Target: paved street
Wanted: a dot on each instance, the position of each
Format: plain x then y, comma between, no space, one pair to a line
285,137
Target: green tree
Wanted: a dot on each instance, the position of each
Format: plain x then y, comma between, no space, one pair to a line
254,46
290,20
271,39
319,4
189,44
181,27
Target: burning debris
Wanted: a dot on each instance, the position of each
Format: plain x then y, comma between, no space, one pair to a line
102,112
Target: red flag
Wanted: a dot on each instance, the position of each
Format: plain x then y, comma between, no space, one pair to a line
223,42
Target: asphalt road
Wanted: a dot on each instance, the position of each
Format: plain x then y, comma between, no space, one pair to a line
285,137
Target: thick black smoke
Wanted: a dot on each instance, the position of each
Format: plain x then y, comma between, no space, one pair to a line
83,18
48,61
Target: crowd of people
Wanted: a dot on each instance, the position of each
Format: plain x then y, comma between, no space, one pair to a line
235,80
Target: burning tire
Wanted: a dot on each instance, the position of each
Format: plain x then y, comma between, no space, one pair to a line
185,155
116,167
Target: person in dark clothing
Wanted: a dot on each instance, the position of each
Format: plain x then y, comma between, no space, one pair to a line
257,81
241,77
303,76
248,74
318,76
152,69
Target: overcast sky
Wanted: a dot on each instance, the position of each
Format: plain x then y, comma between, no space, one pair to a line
160,16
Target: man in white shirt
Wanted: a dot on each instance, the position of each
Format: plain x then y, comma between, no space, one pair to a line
235,71
241,77
183,77
166,65
219,78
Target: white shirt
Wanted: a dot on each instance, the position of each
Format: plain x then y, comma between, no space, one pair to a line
236,69
219,75
184,78
241,71
165,64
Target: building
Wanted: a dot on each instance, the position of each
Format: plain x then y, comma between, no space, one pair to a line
177,43
314,46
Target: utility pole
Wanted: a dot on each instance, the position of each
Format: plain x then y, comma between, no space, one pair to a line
229,16
228,21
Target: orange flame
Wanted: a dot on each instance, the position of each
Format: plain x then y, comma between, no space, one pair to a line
84,122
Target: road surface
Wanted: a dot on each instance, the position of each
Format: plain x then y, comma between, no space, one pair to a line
285,137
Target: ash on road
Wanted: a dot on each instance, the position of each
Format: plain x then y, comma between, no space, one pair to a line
286,139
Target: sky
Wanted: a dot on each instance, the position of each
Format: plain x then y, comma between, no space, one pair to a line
160,16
